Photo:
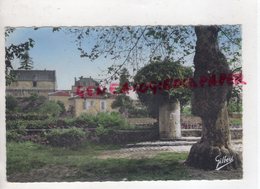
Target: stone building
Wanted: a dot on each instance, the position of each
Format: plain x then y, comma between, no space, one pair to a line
29,82
84,83
91,105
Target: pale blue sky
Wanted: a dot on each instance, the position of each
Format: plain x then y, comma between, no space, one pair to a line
57,51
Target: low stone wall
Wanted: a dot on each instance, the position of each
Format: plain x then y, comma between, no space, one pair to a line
234,132
130,136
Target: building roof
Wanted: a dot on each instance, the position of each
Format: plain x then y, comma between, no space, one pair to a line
85,82
34,75
60,93
94,97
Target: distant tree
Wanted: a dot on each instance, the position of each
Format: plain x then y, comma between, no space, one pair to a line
122,101
14,51
26,62
124,77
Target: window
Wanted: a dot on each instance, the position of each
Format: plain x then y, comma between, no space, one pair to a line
34,83
85,105
103,106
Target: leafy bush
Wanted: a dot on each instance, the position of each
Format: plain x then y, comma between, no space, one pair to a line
107,120
62,106
15,135
26,116
11,103
186,110
51,108
31,124
101,130
66,137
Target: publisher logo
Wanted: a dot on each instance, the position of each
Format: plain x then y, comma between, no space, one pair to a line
223,161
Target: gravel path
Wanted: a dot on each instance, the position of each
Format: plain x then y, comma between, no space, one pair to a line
150,149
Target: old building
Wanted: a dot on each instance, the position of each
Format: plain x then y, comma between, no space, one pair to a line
84,83
91,105
29,82
62,96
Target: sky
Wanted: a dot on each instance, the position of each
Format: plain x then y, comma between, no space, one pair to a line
57,51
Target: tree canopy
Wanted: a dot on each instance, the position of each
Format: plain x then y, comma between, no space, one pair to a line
14,51
160,74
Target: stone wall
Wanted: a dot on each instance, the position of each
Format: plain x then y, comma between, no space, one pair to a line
130,136
235,133
25,88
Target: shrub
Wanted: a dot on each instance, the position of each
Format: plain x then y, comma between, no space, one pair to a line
15,135
51,108
11,103
62,106
66,137
107,120
111,120
31,124
26,116
101,130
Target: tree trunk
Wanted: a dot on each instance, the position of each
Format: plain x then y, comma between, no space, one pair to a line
210,103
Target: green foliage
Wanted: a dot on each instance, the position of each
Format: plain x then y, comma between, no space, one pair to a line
32,103
51,108
235,122
25,116
111,120
186,110
26,62
11,103
23,157
15,135
62,106
14,51
122,102
108,120
101,130
235,105
31,124
71,137
160,71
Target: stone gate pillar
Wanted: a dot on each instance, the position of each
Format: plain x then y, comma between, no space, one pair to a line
169,121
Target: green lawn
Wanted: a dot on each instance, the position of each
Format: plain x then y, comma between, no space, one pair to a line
22,158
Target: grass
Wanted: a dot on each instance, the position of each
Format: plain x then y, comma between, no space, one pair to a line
25,157
165,166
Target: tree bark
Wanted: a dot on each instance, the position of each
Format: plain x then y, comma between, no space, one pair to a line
210,103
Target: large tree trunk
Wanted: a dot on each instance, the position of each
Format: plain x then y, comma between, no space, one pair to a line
210,103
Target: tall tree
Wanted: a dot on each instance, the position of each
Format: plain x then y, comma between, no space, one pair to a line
12,52
137,46
210,103
157,77
26,61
